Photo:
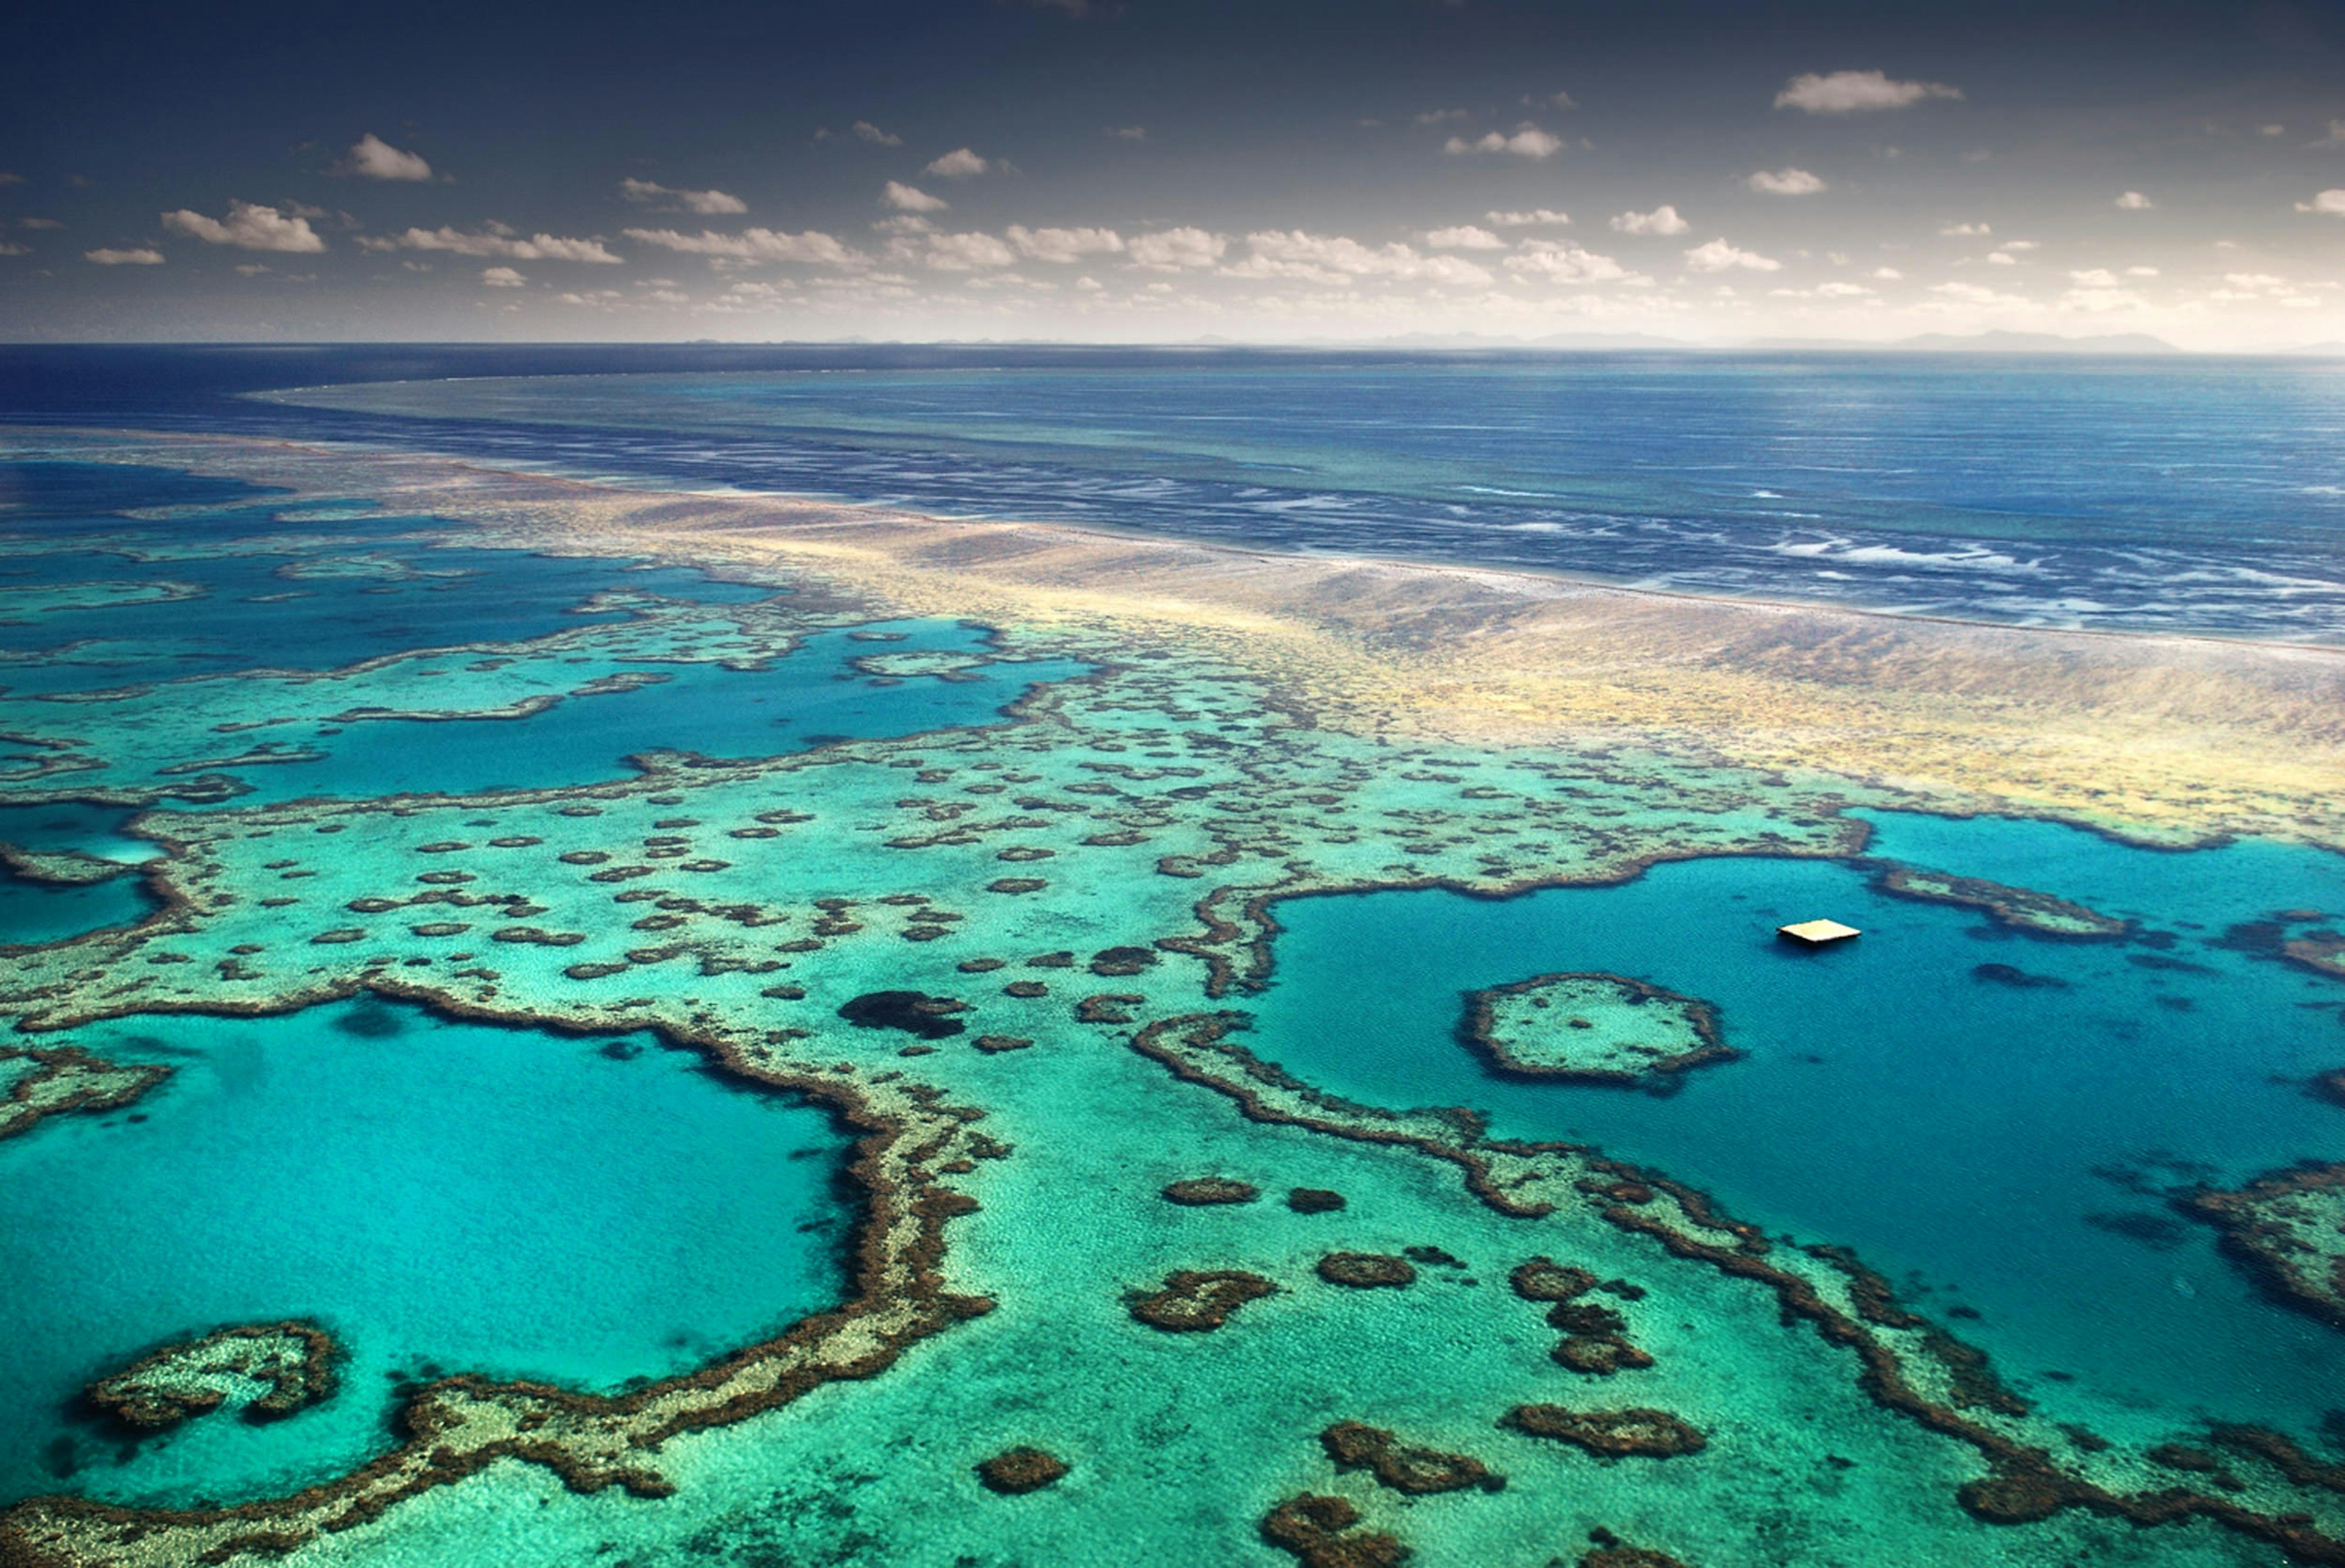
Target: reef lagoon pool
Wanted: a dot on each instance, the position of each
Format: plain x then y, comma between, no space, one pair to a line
441,1197
1992,1119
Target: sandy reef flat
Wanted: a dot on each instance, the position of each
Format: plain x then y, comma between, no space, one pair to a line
1015,957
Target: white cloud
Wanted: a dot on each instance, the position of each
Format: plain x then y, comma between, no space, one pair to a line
1888,275
2328,201
959,164
249,227
1435,117
371,157
503,277
909,198
141,256
1785,182
251,269
1660,221
10,176
1128,134
2141,272
752,244
2000,258
1965,231
706,203
2254,280
865,131
1560,100
1535,218
2094,277
1976,294
10,248
38,223
1334,260
2099,300
2134,201
1464,237
1171,249
1717,256
496,240
1064,244
1549,261
1852,92
2020,245
1833,290
968,252
2272,130
1528,142
2335,138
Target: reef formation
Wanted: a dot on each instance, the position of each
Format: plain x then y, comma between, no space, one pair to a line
1592,1028
809,919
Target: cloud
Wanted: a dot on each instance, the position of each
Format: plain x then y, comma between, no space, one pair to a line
1064,244
2329,201
248,228
10,248
2335,138
907,198
9,176
865,131
1546,261
1660,221
1170,250
752,244
2000,258
1835,290
2141,272
2097,300
496,240
1852,92
1976,294
1560,100
1334,260
1535,218
2020,245
959,164
1965,231
503,277
142,256
1888,275
1128,133
1436,116
1717,256
1528,142
706,203
371,157
1464,237
2094,277
1785,182
2134,201
38,223
968,252
2252,281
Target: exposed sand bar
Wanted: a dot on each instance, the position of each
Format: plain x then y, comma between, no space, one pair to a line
2168,739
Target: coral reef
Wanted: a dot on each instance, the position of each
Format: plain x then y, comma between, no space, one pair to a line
1591,1028
291,1364
1197,1302
1321,1532
1365,1270
1635,1431
1199,1191
2287,1229
2019,909
67,1079
1021,1470
1403,1467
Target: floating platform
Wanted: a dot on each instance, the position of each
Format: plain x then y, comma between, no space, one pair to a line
1817,933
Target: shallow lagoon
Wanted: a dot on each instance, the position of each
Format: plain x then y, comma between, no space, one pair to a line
1945,1125
437,1194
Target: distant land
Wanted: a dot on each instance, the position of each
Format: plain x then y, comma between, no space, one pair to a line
1997,342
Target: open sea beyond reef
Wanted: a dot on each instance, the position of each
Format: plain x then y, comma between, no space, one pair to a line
1995,1118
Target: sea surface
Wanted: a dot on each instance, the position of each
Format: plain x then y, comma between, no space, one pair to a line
2202,496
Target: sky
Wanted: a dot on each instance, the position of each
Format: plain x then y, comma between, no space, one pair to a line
1171,170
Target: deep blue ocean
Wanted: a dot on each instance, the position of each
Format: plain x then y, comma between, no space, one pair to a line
2203,495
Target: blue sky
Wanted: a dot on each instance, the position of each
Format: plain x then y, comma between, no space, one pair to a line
1157,171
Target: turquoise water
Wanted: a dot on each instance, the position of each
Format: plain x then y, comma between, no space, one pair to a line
439,1195
1947,1127
807,698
